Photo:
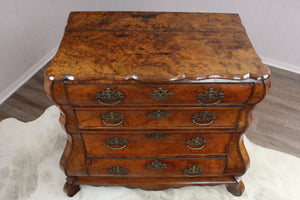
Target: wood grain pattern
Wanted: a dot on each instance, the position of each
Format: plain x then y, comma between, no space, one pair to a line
136,118
276,119
125,45
292,98
270,133
134,53
139,145
175,167
138,94
28,102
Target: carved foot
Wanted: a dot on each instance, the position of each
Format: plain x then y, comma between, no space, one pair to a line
237,188
70,188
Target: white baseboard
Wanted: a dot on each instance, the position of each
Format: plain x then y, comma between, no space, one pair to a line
280,65
26,76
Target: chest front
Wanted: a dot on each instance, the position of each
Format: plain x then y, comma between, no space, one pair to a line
155,100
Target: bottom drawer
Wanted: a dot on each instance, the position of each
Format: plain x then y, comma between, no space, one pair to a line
157,167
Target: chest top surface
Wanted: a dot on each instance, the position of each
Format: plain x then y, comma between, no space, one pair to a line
148,46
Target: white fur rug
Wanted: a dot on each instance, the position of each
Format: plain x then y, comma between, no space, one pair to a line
30,153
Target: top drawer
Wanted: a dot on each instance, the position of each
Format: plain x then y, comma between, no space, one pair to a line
106,95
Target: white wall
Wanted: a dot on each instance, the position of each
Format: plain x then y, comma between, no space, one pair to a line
30,30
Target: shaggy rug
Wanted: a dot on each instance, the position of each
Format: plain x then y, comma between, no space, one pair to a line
30,153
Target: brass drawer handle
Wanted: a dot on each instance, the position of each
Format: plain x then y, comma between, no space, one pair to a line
108,95
193,171
112,117
196,141
210,94
116,141
206,117
156,165
158,114
160,94
117,170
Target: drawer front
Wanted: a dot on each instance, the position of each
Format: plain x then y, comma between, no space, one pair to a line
158,94
143,118
145,144
156,167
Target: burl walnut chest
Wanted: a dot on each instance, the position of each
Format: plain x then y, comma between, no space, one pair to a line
155,100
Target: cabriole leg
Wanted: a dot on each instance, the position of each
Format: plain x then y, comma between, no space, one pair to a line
237,188
70,188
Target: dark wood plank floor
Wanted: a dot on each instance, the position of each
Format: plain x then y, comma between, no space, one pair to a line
276,122
28,102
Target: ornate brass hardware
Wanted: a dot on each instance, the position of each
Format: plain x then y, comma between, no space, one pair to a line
210,95
157,165
193,171
158,114
156,135
116,141
196,143
160,94
112,117
117,170
108,96
206,117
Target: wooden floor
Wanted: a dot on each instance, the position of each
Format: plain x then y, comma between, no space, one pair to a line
276,122
28,102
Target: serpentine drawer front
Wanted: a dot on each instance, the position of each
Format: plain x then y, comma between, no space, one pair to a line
159,94
156,167
155,100
146,118
145,144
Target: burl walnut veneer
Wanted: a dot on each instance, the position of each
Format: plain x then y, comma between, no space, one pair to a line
155,100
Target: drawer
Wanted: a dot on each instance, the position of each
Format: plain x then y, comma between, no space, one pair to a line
156,167
130,144
152,118
158,94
